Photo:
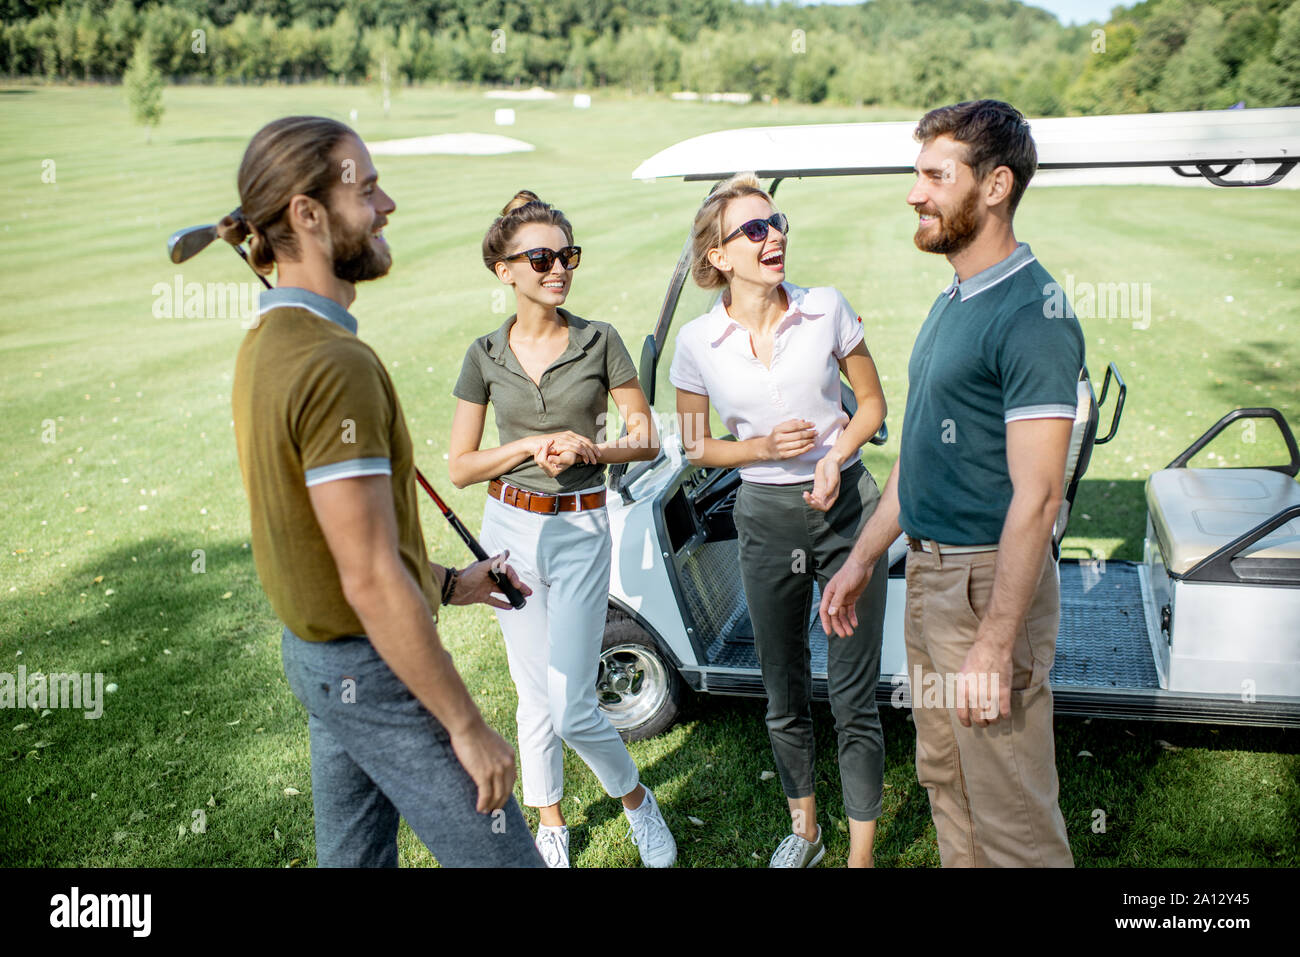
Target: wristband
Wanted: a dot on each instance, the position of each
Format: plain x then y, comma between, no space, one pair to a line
449,585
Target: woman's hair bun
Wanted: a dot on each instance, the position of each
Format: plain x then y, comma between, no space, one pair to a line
526,207
521,198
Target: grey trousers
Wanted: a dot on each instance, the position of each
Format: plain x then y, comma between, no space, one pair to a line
377,753
784,543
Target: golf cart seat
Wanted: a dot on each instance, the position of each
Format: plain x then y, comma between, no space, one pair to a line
1083,436
1198,512
1222,554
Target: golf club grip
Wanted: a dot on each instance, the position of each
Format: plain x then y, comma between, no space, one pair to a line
513,595
244,256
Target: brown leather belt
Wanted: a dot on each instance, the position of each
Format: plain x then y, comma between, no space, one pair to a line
544,504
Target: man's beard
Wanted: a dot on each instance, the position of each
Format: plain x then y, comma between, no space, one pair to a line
355,258
955,232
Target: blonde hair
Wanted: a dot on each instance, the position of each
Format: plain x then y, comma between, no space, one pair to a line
706,234
286,157
526,207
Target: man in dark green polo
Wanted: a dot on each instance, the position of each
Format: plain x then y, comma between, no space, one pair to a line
977,488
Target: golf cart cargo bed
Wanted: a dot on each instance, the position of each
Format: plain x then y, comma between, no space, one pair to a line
1103,643
1105,666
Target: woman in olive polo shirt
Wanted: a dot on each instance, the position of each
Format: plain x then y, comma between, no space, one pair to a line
549,375
768,357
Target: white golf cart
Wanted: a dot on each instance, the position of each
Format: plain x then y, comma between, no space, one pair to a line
1206,628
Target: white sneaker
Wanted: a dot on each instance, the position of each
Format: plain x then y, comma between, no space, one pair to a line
650,834
553,844
795,851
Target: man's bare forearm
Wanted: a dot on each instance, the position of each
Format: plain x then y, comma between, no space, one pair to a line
882,528
1026,534
400,625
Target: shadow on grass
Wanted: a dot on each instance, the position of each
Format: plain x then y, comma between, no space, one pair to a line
1261,362
202,719
1115,509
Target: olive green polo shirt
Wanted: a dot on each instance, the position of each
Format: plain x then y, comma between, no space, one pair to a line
573,395
313,403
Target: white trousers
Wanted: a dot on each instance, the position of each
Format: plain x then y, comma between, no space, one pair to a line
553,645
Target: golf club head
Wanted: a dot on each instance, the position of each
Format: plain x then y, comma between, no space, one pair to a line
189,242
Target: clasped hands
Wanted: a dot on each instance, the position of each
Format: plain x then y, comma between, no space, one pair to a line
557,451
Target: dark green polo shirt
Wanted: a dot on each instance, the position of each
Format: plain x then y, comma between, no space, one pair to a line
573,395
994,349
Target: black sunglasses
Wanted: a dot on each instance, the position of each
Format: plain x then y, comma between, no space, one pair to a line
756,229
542,259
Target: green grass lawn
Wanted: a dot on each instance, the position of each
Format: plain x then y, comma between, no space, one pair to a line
100,527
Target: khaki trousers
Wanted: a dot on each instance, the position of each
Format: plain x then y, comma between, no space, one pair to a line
993,790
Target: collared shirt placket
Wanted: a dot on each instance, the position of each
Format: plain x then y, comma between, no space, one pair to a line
510,362
769,372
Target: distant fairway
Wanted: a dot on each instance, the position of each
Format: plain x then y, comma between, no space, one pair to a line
143,472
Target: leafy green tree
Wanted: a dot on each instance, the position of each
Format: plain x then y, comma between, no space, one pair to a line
121,30
345,54
144,85
1286,54
809,80
88,32
1247,34
1154,55
384,64
65,41
44,45
1195,78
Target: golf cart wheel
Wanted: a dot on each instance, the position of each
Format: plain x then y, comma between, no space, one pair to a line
637,686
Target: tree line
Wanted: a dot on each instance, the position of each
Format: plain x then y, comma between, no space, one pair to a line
1159,55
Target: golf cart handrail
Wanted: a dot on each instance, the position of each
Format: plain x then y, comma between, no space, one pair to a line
1112,372
1201,140
1292,468
1220,566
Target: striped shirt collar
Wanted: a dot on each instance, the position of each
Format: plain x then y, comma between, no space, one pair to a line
988,278
298,298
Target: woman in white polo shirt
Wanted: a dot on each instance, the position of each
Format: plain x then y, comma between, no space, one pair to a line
768,357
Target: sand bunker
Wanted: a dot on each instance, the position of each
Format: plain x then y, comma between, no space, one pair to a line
535,93
463,144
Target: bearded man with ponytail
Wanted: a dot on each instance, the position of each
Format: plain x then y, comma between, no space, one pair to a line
327,464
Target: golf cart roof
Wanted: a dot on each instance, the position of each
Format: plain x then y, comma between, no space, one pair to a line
1202,141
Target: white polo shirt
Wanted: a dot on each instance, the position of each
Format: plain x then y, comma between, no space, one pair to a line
715,357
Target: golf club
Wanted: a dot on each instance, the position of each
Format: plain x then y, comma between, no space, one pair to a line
185,244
